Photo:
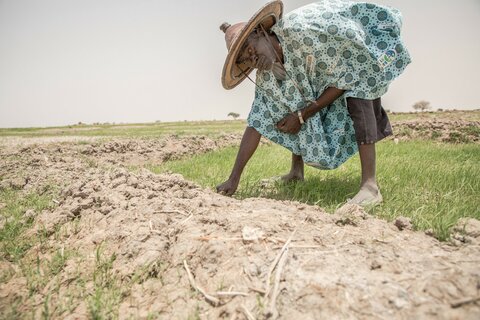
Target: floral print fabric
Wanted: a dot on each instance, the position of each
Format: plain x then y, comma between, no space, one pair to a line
348,45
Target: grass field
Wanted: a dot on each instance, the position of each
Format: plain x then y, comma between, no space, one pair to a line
132,130
193,127
434,184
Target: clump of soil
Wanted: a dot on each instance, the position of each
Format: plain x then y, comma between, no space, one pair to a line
466,230
403,223
160,245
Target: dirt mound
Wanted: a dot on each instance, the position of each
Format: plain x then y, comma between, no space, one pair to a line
139,245
43,163
453,131
141,151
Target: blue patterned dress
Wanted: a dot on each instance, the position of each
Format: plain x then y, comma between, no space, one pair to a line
348,45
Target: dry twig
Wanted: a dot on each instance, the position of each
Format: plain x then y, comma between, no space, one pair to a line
261,291
208,238
211,299
272,308
150,224
302,247
275,262
186,219
231,293
171,211
247,313
462,302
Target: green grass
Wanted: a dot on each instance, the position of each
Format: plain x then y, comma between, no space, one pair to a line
107,294
434,184
132,130
12,241
15,244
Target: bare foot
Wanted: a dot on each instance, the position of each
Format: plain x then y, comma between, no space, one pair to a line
296,170
292,176
368,195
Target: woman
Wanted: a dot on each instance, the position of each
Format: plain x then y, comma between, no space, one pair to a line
321,71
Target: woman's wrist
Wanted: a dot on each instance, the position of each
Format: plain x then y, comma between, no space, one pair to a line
326,98
300,116
310,110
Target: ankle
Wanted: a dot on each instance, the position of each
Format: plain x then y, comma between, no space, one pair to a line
296,174
370,185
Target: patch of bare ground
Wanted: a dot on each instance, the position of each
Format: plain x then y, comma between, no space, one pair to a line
138,245
444,130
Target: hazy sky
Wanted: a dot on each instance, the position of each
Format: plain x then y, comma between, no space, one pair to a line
65,61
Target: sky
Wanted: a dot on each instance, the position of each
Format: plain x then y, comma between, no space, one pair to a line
129,61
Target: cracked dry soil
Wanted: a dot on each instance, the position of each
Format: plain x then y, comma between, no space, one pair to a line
248,259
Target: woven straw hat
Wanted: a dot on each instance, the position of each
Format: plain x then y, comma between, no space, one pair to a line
237,34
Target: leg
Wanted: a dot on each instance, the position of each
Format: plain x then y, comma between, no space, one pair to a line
296,171
369,192
249,144
371,125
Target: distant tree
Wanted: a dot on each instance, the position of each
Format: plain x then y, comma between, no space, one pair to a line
440,110
233,115
422,106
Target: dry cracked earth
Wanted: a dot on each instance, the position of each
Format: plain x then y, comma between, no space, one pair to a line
139,245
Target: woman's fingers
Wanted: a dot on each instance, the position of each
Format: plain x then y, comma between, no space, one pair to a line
261,63
227,188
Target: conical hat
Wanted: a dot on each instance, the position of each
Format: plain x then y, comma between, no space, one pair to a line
237,34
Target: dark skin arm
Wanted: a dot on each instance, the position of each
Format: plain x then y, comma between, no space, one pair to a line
251,137
291,123
249,144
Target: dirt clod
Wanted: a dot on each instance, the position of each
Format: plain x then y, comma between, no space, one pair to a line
251,234
30,213
18,183
429,232
375,265
466,231
403,223
350,214
468,226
